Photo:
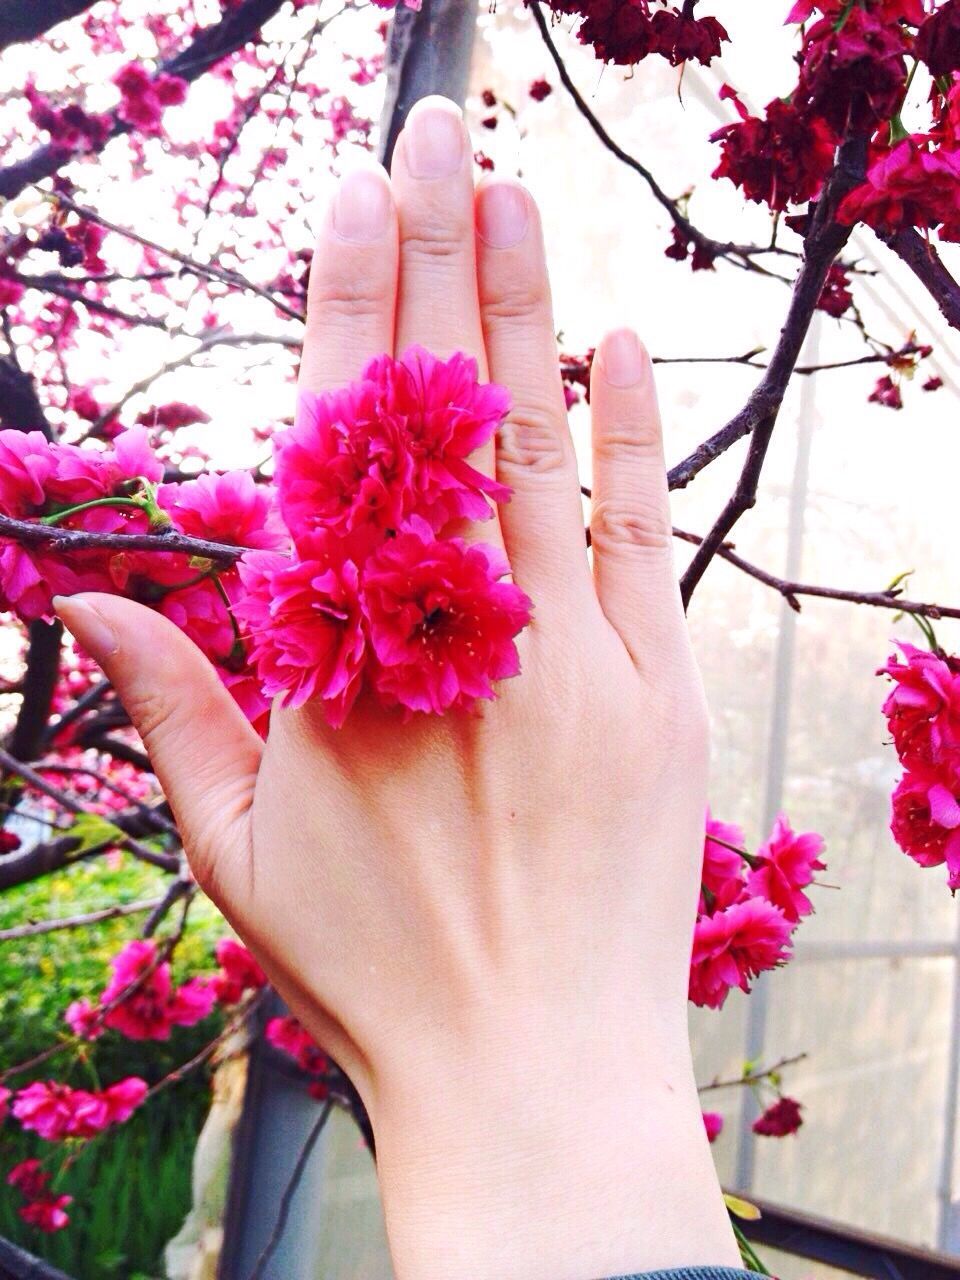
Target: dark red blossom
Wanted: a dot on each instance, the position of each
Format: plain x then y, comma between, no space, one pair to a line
540,89
835,298
938,40
887,393
680,37
780,1119
853,75
780,160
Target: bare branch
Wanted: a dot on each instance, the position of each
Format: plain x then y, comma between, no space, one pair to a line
209,46
20,22
825,239
37,927
922,258
887,599
31,533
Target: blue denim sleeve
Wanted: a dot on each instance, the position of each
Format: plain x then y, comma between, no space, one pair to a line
694,1273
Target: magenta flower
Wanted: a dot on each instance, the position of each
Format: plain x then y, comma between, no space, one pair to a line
723,867
48,1214
26,465
732,946
148,1006
785,866
780,1119
446,414
440,622
302,621
358,461
229,508
923,707
239,972
926,821
713,1123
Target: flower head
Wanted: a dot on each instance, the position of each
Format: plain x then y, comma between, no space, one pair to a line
440,621
302,621
785,867
781,1118
733,945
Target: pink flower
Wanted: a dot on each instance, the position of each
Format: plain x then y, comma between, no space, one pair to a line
47,1214
887,393
244,687
780,160
734,945
359,460
780,1119
26,465
83,1020
785,866
926,821
46,1108
199,611
344,467
229,508
81,475
287,1035
123,1098
440,622
29,1177
149,1006
239,972
302,619
5,1096
723,867
923,707
445,416
713,1123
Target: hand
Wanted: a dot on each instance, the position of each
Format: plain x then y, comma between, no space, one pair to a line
486,918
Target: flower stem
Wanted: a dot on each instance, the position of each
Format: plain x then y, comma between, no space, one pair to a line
86,506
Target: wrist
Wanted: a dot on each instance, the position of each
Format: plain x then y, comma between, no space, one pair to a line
547,1165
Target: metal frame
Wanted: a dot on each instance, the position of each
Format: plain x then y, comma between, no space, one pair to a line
861,1252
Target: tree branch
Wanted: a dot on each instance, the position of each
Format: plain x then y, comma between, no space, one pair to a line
37,927
740,255
888,599
824,241
31,533
922,258
235,29
21,21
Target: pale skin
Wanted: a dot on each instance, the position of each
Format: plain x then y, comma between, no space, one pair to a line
485,917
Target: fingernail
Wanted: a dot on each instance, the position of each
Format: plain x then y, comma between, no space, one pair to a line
502,214
90,629
622,358
433,139
361,209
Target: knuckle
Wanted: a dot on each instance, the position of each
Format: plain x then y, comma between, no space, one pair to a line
151,711
434,241
347,298
530,440
515,304
637,440
615,527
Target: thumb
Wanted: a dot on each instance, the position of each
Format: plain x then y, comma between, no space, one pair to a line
200,744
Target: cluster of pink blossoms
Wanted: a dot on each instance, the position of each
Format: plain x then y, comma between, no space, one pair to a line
750,905
779,1120
41,1208
351,574
289,1036
141,1001
923,715
370,480
56,1111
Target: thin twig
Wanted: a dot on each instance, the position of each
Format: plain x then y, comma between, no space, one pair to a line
37,927
754,1077
289,1192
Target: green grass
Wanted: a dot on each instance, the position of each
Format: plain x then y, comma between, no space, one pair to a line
131,1191
131,1187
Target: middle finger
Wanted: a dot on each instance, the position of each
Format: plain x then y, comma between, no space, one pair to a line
437,303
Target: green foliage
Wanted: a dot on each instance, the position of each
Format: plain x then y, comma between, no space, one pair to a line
131,1186
131,1190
